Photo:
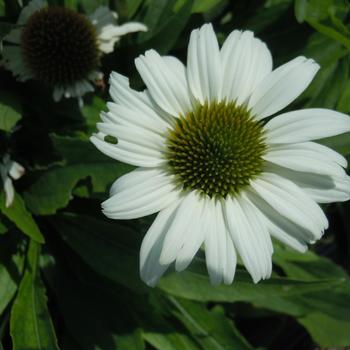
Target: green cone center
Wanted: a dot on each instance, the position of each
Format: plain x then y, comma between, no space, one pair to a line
59,46
216,149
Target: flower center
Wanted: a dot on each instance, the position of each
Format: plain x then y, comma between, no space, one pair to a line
59,46
216,149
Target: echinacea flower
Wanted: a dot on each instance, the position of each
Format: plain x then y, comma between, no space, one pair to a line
220,175
62,48
10,170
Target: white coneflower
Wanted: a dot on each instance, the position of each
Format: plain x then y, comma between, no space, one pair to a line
219,175
62,48
10,170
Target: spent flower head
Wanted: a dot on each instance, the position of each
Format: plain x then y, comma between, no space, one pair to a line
62,48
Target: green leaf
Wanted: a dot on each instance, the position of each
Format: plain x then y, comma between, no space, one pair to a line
2,9
327,331
11,267
92,110
165,24
201,6
170,341
10,110
30,323
195,286
131,341
20,216
111,249
340,143
331,33
53,189
211,329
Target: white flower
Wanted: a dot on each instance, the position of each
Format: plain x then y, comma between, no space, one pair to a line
69,43
218,173
10,170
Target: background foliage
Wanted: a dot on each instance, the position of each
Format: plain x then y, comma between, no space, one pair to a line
69,277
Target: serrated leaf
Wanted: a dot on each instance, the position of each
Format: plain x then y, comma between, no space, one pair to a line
20,216
30,324
10,110
211,329
108,248
53,189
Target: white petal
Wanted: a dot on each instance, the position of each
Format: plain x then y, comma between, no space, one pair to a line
291,202
280,227
13,61
250,236
195,233
127,152
140,193
204,69
339,193
231,260
279,88
321,188
176,234
9,192
15,35
121,115
166,88
111,33
102,17
16,170
212,257
150,268
305,125
306,157
135,101
139,136
246,61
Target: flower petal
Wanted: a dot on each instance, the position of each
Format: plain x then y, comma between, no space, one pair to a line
280,227
195,236
150,268
219,246
166,88
321,188
136,101
305,125
140,193
15,35
16,170
204,71
291,202
13,61
111,34
283,85
250,236
246,61
176,234
306,157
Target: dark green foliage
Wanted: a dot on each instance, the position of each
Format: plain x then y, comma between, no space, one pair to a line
69,277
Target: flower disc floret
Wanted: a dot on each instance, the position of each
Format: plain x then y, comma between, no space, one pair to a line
216,149
59,46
